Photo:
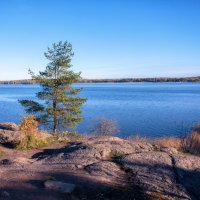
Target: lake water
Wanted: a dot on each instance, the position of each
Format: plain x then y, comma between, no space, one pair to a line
148,109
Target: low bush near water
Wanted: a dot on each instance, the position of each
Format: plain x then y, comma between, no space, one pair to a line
104,127
32,142
192,142
33,138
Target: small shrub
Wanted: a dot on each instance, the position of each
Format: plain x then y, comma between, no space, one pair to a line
32,137
33,142
73,134
103,127
66,136
192,143
29,125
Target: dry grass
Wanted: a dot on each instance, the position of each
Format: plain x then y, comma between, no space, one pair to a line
192,143
138,138
169,142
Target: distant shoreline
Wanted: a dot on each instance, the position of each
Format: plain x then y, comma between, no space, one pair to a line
122,80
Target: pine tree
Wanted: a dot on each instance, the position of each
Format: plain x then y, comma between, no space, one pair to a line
61,105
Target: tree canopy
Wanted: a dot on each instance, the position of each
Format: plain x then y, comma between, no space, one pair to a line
59,105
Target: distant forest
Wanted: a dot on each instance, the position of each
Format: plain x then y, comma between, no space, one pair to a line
122,80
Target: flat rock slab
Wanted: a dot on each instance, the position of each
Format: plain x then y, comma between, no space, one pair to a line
60,186
154,173
188,170
94,150
115,144
107,171
73,157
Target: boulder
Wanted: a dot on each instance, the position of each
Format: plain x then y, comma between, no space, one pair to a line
10,138
10,134
59,186
9,126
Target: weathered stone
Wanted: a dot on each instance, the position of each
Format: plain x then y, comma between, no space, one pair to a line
188,171
154,172
169,150
60,186
105,153
21,161
10,137
93,150
106,171
44,135
107,143
9,126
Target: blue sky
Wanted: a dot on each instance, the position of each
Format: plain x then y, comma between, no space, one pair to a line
110,38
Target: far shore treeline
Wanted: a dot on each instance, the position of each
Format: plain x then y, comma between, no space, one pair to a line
122,80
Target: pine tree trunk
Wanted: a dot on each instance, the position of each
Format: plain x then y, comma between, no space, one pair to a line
54,117
55,101
54,110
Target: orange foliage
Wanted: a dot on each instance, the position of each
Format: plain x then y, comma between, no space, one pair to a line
29,125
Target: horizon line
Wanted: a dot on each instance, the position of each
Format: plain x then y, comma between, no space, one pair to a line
160,77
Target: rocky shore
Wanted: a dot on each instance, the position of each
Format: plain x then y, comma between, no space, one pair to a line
97,168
